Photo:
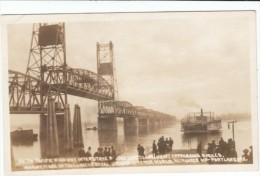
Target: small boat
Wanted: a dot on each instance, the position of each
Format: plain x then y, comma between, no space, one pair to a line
23,135
93,128
202,122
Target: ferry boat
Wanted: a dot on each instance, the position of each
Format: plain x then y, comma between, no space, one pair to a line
202,122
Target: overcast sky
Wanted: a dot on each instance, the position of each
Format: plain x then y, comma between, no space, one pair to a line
173,62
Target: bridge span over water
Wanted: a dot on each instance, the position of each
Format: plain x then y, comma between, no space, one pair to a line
44,87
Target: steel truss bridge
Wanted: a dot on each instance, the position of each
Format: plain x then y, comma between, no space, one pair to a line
49,75
24,94
25,90
126,109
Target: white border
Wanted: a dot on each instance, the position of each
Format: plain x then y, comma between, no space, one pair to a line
54,7
43,7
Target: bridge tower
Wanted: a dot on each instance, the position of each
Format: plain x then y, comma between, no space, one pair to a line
47,61
106,69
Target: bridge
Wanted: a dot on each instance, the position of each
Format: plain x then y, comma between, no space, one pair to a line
25,90
44,88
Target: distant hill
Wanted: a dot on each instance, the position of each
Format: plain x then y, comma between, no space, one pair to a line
236,116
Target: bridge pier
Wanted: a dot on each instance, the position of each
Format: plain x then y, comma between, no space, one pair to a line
43,135
56,136
131,125
131,122
77,128
107,123
67,130
152,122
143,126
143,122
52,131
61,135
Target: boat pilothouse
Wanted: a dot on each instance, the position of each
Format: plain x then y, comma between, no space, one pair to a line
200,122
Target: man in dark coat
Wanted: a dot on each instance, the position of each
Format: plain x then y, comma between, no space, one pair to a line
154,149
199,150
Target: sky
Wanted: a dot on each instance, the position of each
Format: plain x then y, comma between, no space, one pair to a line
175,63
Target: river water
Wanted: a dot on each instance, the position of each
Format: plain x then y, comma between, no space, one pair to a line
126,141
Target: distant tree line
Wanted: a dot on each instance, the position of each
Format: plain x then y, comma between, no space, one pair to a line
236,116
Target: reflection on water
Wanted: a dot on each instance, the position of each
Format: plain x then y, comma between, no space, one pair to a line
126,140
191,140
143,130
107,138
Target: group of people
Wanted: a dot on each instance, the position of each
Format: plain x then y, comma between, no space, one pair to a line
108,152
163,146
226,149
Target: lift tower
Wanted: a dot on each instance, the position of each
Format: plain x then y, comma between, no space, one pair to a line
105,69
47,62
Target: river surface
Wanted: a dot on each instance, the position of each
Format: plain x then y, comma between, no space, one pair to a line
126,141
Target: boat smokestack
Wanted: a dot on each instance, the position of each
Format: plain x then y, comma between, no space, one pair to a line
201,112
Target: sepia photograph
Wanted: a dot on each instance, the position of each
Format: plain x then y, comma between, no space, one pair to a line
122,90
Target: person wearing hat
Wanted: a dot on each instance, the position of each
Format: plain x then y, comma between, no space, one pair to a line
245,156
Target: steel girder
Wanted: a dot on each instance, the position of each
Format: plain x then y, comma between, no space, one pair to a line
126,109
23,93
116,108
25,90
79,82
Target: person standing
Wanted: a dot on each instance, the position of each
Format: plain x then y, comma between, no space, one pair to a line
209,149
251,155
142,151
106,154
139,150
113,153
171,143
213,147
154,149
199,150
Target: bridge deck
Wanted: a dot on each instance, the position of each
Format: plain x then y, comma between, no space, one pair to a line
75,91
31,110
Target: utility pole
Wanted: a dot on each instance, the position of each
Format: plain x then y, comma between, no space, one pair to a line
233,127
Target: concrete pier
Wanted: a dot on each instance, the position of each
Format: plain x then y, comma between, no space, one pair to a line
67,130
77,128
152,122
107,124
131,125
61,135
143,122
52,131
131,122
43,135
